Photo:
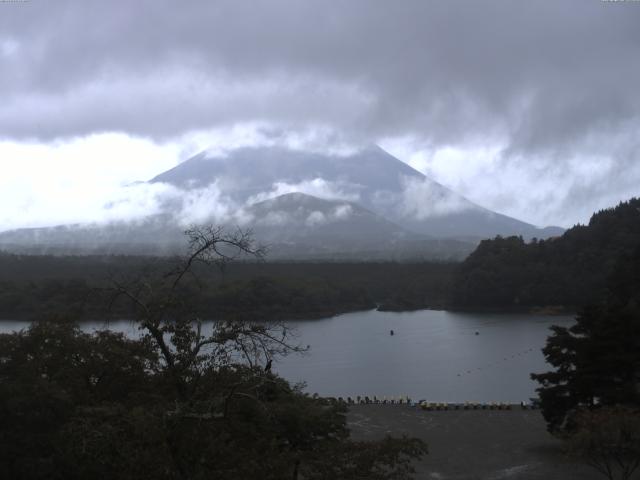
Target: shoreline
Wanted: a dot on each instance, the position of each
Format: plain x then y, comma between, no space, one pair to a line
550,311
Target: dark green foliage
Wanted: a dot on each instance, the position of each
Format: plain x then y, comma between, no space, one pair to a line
568,271
270,298
32,286
597,361
49,372
74,405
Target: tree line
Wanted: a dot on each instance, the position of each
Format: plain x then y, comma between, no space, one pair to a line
33,286
568,271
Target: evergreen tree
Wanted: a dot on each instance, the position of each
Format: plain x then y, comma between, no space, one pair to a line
597,360
568,271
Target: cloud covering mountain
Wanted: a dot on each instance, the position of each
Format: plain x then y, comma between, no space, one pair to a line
488,98
303,203
370,177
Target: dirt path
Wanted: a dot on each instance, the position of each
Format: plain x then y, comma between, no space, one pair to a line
473,444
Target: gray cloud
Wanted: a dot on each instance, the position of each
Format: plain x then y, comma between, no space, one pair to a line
551,82
539,73
423,199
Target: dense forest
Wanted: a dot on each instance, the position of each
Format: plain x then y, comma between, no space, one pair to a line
565,272
33,286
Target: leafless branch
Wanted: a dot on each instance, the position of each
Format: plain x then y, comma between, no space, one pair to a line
166,318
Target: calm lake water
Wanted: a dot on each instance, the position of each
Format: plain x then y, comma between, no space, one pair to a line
434,355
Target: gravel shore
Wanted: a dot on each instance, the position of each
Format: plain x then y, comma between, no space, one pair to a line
473,444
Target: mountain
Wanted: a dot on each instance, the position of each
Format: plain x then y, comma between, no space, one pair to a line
292,226
371,177
304,226
300,218
366,205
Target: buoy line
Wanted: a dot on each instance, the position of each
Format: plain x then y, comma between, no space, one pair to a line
495,364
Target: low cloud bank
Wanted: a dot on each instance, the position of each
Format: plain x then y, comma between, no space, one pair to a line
318,187
422,199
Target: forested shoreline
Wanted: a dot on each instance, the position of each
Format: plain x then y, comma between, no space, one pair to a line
554,276
561,273
35,286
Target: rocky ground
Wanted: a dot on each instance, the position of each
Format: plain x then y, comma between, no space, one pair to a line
473,444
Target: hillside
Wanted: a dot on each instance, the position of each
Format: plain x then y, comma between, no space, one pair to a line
567,271
153,235
332,225
300,226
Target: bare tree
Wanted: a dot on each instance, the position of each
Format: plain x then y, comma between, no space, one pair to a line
167,317
608,439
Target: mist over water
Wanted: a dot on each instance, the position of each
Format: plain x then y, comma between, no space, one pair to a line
433,355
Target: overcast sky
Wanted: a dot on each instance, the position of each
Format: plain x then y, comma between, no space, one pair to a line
529,108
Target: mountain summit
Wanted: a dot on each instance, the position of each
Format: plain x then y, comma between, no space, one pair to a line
371,177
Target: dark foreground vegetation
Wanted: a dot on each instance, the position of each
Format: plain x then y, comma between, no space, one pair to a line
32,286
592,397
566,272
100,406
177,403
597,360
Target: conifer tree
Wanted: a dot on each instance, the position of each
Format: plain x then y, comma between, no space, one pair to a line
597,360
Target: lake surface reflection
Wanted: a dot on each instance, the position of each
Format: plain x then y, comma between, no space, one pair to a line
435,355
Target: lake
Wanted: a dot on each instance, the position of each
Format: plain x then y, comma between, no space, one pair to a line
434,355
